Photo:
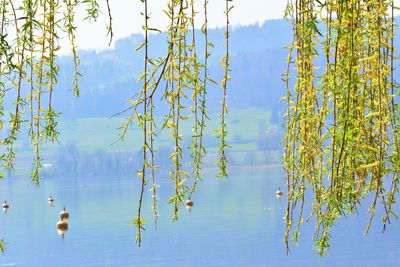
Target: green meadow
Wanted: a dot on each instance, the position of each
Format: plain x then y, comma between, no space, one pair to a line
90,135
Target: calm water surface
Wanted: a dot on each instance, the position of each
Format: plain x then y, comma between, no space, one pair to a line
237,222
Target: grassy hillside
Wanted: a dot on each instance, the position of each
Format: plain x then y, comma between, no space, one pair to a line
88,138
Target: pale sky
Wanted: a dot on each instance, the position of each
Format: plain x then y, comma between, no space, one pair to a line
127,19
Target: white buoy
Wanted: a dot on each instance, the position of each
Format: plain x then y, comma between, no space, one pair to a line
62,227
50,200
279,193
6,206
189,204
64,214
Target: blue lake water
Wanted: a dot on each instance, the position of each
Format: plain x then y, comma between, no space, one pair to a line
237,222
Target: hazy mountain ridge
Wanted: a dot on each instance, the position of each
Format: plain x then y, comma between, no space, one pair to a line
109,77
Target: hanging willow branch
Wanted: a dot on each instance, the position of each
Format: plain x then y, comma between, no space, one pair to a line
29,42
109,25
222,132
143,123
30,37
184,79
200,93
342,123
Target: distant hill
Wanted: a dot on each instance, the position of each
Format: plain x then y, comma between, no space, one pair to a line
258,60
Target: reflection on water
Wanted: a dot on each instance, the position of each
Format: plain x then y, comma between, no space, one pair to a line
237,222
